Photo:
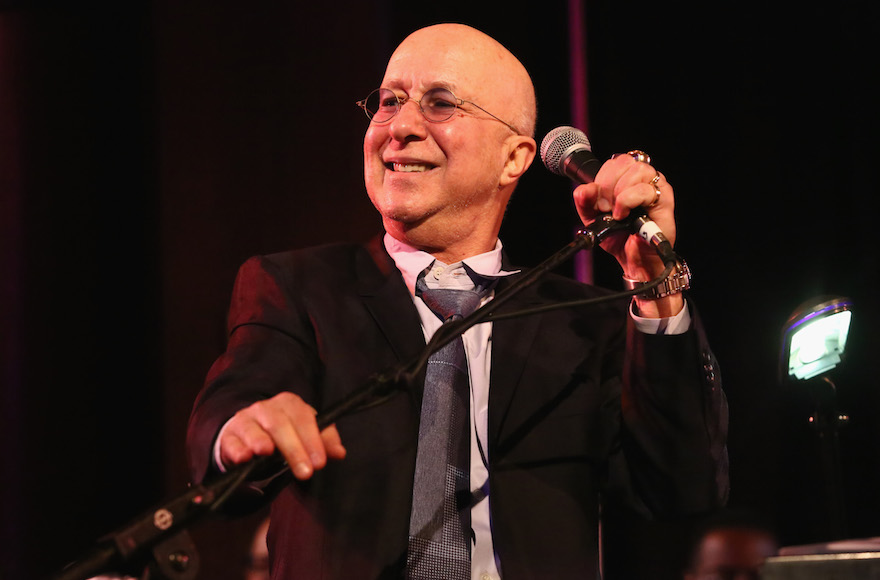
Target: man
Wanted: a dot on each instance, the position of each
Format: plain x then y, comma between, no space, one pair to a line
731,550
565,405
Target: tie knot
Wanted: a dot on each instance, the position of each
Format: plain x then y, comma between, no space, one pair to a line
453,302
447,303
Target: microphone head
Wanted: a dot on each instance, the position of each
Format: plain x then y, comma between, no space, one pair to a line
559,144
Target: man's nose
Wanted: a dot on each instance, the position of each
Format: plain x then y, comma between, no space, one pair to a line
409,123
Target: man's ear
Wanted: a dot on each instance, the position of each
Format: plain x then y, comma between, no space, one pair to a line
520,154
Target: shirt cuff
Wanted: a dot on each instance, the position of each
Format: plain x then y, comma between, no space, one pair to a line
218,461
678,324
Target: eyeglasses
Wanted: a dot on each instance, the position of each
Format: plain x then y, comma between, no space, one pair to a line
437,105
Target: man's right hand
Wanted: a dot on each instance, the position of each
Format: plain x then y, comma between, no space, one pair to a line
284,423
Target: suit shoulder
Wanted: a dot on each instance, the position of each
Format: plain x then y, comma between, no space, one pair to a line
334,253
327,266
337,257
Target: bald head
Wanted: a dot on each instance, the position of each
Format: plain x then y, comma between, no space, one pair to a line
443,186
731,552
476,60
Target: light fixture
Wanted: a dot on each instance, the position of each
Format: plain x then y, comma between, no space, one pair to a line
814,337
813,341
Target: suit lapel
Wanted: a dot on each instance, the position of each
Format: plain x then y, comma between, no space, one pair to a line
534,358
512,340
385,296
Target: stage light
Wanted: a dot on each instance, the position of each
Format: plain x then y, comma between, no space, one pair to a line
813,341
814,337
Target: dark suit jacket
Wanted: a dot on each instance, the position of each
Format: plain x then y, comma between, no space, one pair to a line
581,406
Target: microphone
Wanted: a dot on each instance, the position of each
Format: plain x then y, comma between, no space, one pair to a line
567,151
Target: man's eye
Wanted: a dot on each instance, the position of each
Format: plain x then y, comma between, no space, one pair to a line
442,104
388,102
440,101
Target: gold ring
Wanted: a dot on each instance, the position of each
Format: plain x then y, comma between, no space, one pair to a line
656,192
656,179
640,156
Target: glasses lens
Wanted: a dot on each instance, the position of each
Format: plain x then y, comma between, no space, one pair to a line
438,104
381,105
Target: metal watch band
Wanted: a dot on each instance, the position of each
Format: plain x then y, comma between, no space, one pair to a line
678,280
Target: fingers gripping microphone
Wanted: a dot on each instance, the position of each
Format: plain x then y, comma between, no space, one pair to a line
567,151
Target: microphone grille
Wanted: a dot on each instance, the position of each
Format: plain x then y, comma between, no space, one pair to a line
558,144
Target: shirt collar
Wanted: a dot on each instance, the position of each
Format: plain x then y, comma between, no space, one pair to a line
411,261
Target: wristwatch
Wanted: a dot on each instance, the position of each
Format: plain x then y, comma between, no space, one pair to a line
679,279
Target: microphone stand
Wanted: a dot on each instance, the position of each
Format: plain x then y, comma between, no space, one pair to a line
158,541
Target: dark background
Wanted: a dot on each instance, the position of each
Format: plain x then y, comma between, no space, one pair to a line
147,148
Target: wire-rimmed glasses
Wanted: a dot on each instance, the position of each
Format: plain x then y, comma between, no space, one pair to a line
437,105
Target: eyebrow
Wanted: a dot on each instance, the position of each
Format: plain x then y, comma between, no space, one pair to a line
396,84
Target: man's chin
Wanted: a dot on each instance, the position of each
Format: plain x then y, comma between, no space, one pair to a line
404,220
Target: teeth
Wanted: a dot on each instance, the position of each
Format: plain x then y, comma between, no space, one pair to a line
410,167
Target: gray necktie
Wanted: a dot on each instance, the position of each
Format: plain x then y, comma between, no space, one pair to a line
440,521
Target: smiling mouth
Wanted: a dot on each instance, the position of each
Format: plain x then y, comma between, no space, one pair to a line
409,167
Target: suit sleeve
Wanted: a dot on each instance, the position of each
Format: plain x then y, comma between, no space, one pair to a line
271,348
674,426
